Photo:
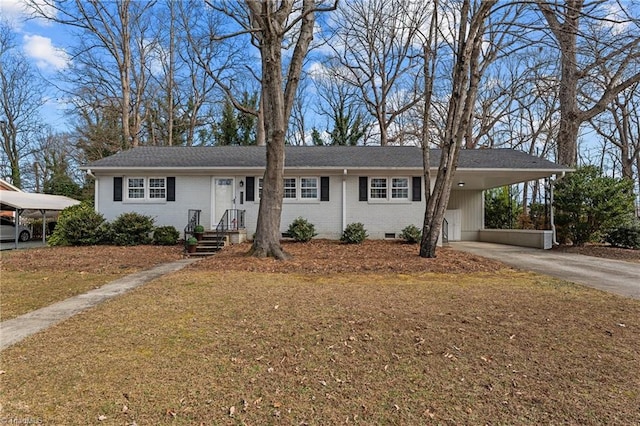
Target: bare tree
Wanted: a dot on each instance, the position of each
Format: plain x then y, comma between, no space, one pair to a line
619,126
340,103
112,55
270,24
466,51
375,42
590,35
20,100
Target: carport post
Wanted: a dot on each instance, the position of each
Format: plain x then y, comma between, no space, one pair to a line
44,212
17,228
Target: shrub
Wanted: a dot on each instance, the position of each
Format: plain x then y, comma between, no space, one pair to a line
165,236
625,236
588,203
80,225
130,229
198,229
354,233
302,230
411,234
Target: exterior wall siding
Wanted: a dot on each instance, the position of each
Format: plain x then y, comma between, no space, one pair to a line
192,192
378,217
470,203
381,217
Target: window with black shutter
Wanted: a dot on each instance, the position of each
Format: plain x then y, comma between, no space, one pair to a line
324,188
363,183
117,189
416,188
251,188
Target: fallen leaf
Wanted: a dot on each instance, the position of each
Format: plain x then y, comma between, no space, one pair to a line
102,417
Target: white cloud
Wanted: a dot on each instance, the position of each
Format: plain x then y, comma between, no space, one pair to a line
13,11
16,12
45,54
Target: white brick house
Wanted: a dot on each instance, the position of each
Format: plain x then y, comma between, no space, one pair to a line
382,187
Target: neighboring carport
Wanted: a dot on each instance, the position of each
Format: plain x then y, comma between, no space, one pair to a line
23,201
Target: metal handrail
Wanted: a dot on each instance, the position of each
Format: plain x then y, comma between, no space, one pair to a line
192,221
232,220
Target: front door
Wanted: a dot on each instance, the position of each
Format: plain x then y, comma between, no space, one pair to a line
223,198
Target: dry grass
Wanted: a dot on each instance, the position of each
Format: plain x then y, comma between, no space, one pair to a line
205,347
32,279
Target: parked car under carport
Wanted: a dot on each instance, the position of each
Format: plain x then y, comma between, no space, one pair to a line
8,231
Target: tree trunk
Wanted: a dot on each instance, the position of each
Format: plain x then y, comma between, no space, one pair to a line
267,241
276,106
466,78
261,139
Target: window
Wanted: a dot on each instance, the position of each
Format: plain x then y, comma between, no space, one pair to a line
299,188
378,188
290,191
309,188
157,188
400,188
141,189
135,188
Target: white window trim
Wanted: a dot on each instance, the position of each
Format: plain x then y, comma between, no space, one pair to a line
296,188
147,190
408,187
371,188
127,188
389,198
317,188
298,198
259,183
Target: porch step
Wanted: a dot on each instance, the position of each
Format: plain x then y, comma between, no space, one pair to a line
210,243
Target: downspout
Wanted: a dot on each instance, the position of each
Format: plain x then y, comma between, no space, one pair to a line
95,190
344,199
552,217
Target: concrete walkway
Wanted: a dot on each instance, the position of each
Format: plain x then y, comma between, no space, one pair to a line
16,329
614,276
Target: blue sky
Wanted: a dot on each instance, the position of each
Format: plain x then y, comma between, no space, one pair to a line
42,43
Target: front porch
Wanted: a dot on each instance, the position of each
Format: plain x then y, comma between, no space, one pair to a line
229,230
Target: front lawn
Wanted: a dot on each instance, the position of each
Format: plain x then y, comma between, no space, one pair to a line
35,278
206,346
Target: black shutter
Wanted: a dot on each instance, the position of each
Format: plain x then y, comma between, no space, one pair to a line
363,183
251,191
171,189
117,189
324,188
416,189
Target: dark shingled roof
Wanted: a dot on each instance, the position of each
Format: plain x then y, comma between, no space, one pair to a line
364,157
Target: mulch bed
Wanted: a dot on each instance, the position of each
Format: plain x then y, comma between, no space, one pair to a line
329,257
602,250
93,259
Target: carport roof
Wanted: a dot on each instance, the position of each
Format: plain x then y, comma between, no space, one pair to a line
12,200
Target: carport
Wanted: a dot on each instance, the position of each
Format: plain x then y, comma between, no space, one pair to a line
23,201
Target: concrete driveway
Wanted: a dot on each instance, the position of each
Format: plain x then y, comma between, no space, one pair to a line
10,245
615,276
